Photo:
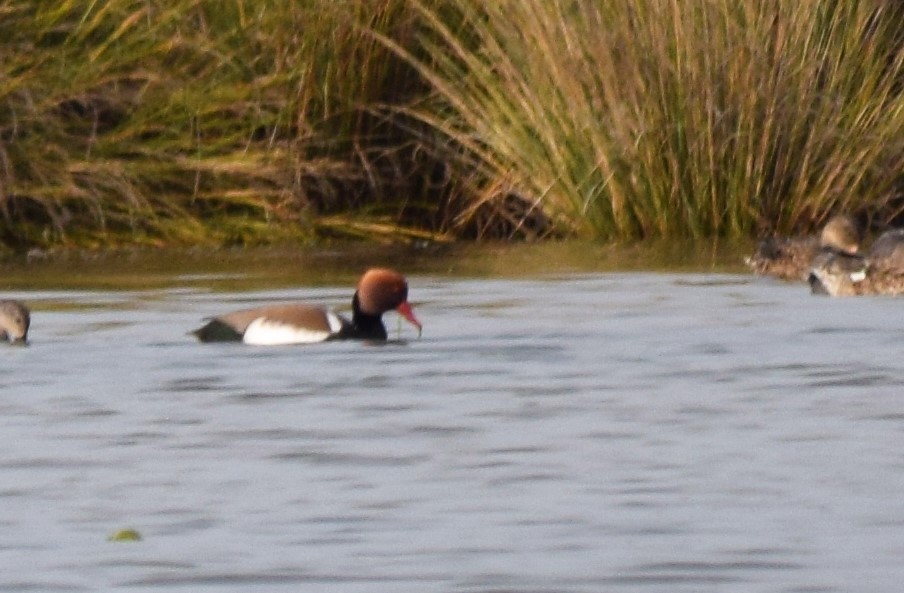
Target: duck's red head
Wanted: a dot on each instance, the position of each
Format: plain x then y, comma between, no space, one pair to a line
381,290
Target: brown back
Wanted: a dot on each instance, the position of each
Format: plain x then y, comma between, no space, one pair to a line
297,315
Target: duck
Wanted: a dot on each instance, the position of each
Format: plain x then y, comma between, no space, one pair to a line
379,290
879,272
15,320
837,274
791,258
887,252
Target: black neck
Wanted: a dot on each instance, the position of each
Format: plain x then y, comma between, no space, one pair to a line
369,327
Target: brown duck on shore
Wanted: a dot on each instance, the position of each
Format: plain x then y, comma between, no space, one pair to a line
880,272
791,258
887,252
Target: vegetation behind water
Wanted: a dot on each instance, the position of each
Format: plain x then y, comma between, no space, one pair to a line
201,122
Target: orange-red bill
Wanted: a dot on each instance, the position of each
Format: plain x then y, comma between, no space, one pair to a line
405,311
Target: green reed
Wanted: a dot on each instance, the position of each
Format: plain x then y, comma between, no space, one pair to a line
665,118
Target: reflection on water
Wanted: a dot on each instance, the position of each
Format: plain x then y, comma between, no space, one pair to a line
281,267
571,432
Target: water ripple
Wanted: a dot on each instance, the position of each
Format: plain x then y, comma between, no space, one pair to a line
646,433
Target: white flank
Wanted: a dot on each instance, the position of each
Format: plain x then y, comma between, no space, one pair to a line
858,276
334,321
267,332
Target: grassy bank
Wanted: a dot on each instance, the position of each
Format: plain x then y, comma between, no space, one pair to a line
201,122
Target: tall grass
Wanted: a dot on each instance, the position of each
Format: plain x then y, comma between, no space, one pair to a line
667,118
191,120
201,121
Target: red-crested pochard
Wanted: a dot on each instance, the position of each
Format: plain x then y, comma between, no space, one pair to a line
379,290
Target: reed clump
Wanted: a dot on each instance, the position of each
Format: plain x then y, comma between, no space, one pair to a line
708,118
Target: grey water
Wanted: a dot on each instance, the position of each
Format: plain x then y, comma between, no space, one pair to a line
561,432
